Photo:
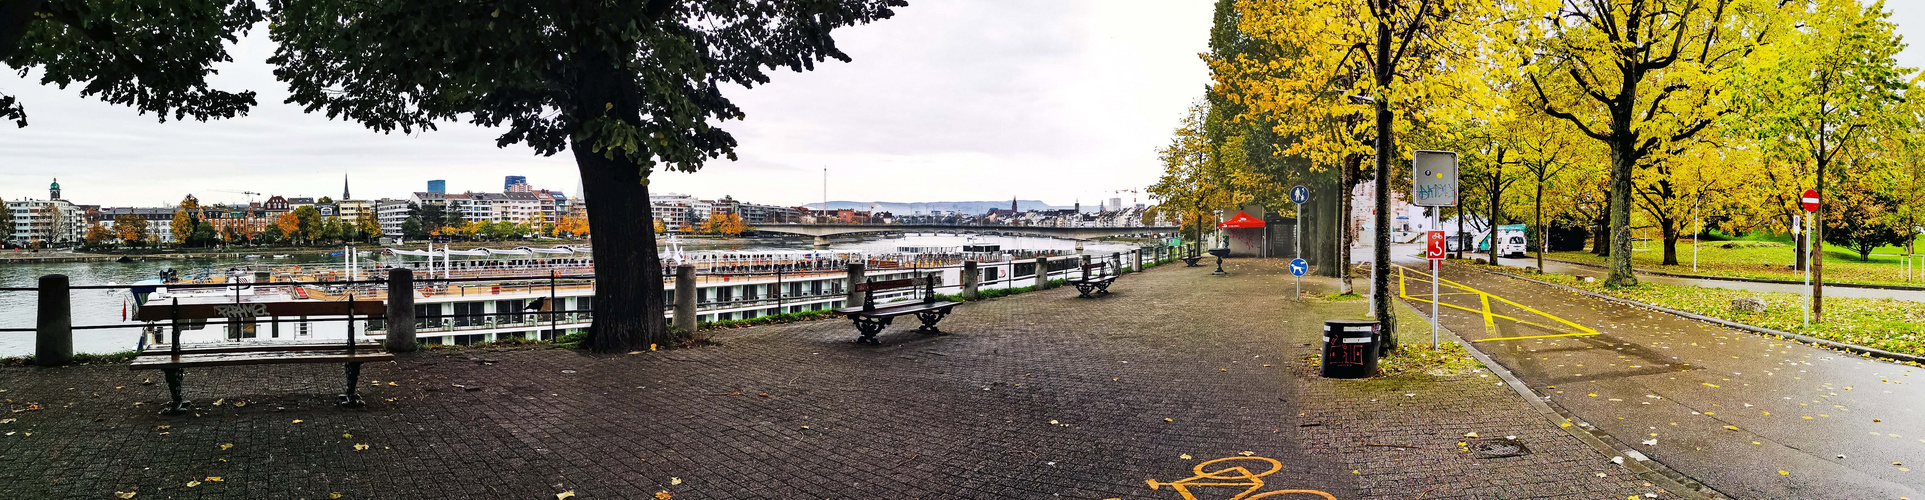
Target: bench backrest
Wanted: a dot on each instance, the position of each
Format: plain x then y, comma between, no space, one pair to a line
244,310
869,289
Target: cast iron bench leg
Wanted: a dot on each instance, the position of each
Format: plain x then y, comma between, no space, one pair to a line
1103,288
178,406
351,398
929,319
869,328
1083,289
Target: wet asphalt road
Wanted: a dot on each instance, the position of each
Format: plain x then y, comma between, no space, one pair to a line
1729,408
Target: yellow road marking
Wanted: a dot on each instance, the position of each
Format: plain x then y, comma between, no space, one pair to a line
1490,317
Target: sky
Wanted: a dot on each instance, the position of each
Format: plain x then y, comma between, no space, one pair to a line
1058,100
1052,100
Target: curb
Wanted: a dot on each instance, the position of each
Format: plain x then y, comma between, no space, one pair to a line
1854,348
1657,473
1909,288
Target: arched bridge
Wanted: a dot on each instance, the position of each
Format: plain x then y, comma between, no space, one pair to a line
822,232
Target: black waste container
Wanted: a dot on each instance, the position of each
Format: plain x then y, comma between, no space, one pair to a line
1349,348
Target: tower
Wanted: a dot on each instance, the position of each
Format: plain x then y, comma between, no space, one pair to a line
1012,204
344,188
53,192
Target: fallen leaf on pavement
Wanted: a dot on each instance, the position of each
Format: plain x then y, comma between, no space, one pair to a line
227,445
297,420
129,494
674,481
561,496
191,484
360,447
663,495
213,479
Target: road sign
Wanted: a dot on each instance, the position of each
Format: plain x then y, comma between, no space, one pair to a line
1299,267
1810,200
1434,179
1435,246
1299,195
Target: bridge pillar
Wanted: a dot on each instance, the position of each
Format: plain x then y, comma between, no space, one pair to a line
822,241
971,280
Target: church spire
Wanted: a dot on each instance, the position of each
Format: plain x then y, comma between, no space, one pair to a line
344,188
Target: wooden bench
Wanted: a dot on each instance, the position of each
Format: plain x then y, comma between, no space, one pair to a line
1095,279
870,318
172,358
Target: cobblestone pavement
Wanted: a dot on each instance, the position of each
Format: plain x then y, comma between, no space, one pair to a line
1041,395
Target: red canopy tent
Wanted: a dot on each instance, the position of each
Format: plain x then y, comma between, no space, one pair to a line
1241,221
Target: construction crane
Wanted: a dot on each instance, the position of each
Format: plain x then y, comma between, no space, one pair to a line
250,195
1133,194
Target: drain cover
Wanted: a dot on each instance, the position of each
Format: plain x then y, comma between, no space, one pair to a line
1498,448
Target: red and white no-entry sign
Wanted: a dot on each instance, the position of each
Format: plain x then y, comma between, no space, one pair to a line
1810,200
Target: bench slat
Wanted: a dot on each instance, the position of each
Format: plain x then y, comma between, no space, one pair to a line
166,349
257,358
885,285
899,310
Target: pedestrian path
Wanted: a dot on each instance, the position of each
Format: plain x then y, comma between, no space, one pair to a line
1179,385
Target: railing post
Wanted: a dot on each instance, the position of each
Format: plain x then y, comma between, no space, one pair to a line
971,279
54,328
855,276
1042,273
401,310
685,301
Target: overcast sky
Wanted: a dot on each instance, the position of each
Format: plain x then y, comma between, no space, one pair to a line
1057,100
948,101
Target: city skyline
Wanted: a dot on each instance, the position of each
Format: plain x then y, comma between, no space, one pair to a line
1073,95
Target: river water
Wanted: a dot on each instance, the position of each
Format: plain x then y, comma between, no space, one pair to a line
104,307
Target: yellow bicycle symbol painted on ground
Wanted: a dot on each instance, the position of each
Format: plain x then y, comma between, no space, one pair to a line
1234,471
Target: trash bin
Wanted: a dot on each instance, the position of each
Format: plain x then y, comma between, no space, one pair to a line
1349,348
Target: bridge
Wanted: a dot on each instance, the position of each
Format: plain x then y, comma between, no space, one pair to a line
822,232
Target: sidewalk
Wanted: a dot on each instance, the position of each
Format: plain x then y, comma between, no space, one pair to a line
1040,395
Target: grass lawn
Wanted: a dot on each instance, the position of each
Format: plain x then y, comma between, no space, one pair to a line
1763,257
1887,324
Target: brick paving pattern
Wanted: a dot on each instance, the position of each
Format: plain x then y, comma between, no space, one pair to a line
798,411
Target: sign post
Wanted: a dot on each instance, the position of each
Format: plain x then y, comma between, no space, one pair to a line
1297,268
1810,202
1434,184
1299,195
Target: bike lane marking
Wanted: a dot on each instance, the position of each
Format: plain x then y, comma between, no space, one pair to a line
1490,317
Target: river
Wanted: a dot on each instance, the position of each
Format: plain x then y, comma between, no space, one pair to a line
103,307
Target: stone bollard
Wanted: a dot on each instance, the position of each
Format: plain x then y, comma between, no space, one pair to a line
1138,255
1116,258
401,311
1042,273
54,328
855,277
972,279
685,287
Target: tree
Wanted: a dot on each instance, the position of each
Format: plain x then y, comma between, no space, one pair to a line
1638,75
154,56
309,225
287,226
204,234
629,86
97,235
1860,219
433,215
454,223
6,223
182,226
130,229
411,228
1832,83
659,228
367,227
325,200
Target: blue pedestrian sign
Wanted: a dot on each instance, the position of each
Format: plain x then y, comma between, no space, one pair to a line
1300,195
1298,267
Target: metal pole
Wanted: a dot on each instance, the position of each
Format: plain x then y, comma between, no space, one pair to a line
54,326
553,307
1694,237
1797,221
1436,275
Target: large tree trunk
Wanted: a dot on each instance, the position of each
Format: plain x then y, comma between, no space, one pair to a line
1622,163
1380,241
1497,217
1345,236
1818,247
629,307
1670,230
1800,263
1321,235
